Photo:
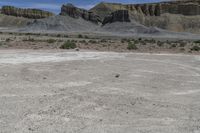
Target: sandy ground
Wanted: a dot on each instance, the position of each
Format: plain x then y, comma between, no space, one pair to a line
98,92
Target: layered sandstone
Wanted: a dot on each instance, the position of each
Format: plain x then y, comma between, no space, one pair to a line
117,16
75,12
26,13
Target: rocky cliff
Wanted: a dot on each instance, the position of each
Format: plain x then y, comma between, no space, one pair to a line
176,15
187,7
75,12
26,13
117,16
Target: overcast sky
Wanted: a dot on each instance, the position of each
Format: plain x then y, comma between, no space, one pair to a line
54,5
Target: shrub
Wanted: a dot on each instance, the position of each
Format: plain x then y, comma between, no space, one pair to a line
29,39
182,44
86,37
58,35
80,36
160,44
103,40
197,41
68,45
92,41
173,45
82,41
8,39
131,46
51,40
195,48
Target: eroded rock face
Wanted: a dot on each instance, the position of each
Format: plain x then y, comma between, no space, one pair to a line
184,7
175,7
75,12
27,13
117,16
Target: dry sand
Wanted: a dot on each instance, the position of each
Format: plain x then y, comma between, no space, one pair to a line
79,92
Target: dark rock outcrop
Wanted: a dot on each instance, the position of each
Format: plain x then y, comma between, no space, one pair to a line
117,16
75,12
27,13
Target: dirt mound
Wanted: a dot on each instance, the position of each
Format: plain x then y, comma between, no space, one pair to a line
61,24
11,21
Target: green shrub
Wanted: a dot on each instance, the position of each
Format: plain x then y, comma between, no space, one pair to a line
195,48
160,44
8,39
182,44
82,41
68,45
92,41
51,40
173,45
197,41
103,40
80,36
58,35
131,46
86,37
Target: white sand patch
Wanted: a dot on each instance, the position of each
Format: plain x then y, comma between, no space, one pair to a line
186,92
72,84
34,57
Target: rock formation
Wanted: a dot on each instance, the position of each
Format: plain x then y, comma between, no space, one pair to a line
27,13
117,16
175,15
187,7
75,12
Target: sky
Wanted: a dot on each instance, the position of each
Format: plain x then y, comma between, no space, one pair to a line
55,5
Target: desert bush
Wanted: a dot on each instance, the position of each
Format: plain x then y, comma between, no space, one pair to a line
80,36
51,40
103,40
82,41
173,45
86,37
68,45
58,35
92,41
29,39
8,39
160,44
131,46
182,44
195,48
197,41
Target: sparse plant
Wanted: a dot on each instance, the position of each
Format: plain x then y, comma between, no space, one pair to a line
174,45
182,44
131,46
103,40
195,48
82,41
80,36
160,44
92,41
58,35
8,39
51,40
197,41
86,37
68,45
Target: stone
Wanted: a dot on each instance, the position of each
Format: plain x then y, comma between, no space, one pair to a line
26,13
